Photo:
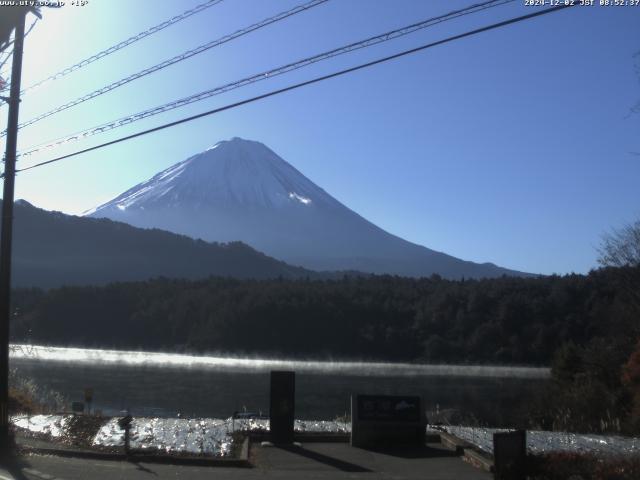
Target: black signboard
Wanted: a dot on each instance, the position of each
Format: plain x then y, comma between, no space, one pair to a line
282,406
385,408
510,455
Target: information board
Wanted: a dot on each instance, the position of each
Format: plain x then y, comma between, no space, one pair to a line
385,408
381,421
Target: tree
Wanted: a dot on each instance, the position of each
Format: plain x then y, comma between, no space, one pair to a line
621,247
631,380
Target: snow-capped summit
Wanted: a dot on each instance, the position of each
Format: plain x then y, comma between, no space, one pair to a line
241,190
233,172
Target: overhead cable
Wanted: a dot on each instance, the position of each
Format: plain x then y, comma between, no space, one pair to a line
123,44
178,58
385,37
303,84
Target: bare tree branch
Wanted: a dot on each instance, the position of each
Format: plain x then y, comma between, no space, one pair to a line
621,249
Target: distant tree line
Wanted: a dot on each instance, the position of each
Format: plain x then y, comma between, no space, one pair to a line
505,320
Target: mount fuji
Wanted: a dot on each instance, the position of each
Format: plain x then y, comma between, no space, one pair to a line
241,190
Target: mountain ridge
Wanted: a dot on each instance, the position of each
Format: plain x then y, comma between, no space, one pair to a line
242,190
52,249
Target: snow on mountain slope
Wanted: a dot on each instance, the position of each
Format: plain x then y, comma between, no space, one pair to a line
242,190
235,172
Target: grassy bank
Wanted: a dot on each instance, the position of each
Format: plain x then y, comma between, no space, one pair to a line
25,396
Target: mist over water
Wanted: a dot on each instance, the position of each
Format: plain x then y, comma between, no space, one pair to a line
166,384
230,364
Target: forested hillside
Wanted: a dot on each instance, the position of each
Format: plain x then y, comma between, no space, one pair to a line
51,249
505,320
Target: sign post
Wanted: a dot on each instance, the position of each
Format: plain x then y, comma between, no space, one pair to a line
88,398
125,424
282,406
510,455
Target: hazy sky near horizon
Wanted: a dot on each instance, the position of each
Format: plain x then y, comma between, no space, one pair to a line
516,146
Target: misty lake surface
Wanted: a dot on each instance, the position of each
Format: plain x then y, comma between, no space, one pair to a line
157,384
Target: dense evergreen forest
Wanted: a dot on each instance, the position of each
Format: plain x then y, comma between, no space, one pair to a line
585,326
505,320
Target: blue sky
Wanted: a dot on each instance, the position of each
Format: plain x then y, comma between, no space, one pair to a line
515,146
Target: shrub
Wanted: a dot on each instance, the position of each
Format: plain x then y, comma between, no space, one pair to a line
577,466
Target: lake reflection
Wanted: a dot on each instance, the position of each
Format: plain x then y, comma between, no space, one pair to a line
157,384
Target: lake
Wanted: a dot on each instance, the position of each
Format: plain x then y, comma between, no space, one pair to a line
165,385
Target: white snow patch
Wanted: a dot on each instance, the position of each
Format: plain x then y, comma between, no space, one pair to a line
121,207
171,173
544,442
128,201
166,190
53,425
300,198
89,212
205,436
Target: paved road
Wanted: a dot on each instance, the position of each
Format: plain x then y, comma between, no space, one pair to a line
313,461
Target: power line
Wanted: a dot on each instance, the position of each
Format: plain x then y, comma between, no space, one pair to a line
31,27
393,34
4,61
178,58
124,43
9,55
305,83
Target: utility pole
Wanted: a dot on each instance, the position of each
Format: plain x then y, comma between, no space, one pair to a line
7,227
